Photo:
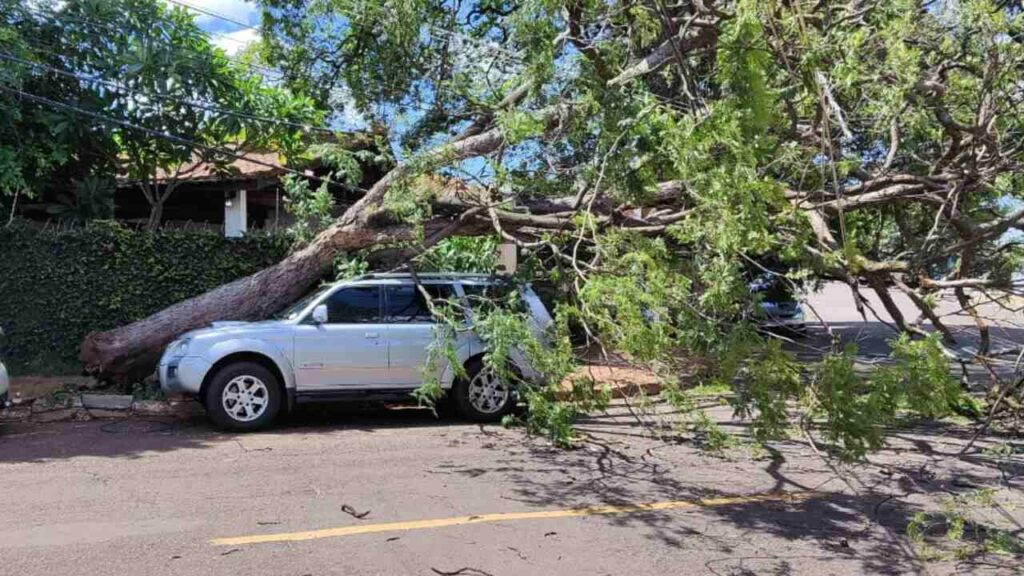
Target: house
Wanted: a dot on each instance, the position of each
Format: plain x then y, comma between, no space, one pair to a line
245,194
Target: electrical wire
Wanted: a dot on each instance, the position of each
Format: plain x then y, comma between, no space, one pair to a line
213,14
278,74
56,18
171,137
264,71
437,29
513,56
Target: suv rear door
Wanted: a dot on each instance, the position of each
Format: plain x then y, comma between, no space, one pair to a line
350,349
411,330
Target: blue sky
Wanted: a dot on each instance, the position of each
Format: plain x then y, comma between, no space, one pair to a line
232,36
233,24
226,21
228,35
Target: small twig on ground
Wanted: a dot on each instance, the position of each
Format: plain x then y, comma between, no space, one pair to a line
352,512
466,570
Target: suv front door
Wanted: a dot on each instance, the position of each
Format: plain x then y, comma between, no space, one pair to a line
350,349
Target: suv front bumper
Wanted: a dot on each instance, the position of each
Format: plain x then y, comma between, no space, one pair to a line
182,375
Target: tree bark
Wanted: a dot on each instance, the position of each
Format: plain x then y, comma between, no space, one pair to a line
687,41
132,351
156,215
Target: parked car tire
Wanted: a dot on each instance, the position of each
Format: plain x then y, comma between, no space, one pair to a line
243,397
482,396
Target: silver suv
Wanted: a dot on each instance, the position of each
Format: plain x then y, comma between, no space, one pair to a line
361,339
5,382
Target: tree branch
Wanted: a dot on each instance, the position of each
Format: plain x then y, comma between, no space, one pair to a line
691,39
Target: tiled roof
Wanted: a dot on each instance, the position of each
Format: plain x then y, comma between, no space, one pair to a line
252,166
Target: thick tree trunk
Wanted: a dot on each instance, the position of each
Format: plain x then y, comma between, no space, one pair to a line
132,351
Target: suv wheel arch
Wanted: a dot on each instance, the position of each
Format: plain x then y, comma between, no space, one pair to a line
256,357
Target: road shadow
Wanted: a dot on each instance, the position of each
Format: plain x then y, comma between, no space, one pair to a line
837,526
831,520
126,438
132,437
365,416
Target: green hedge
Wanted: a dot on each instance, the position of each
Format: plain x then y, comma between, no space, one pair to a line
58,285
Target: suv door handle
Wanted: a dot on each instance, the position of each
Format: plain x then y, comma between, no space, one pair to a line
372,335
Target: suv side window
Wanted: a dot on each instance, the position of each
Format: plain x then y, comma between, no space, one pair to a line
405,303
488,296
355,305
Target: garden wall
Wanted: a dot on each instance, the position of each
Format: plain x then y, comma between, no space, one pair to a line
58,284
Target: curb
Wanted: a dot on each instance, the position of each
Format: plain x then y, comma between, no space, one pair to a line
83,407
620,390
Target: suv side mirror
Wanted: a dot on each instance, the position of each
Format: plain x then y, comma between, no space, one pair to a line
320,314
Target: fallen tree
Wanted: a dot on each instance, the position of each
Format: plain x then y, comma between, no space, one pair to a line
653,157
132,351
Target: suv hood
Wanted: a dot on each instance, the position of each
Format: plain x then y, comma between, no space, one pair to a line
229,327
227,323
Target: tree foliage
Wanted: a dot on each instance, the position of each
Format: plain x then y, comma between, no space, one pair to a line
135,70
651,157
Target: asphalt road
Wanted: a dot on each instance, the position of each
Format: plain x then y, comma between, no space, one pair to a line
384,491
156,498
832,307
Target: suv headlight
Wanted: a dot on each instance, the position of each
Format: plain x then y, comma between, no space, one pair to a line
179,348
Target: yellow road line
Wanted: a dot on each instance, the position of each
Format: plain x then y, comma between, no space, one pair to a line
503,517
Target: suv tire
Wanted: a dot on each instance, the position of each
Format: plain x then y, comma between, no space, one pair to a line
243,397
481,396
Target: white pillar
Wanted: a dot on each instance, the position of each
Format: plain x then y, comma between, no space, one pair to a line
235,215
506,258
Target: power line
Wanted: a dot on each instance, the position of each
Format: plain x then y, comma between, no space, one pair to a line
262,70
192,103
335,92
437,29
208,12
515,57
171,137
278,74
57,18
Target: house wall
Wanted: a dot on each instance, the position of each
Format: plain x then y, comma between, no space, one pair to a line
199,204
204,205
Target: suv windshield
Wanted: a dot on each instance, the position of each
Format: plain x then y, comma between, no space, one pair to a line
292,312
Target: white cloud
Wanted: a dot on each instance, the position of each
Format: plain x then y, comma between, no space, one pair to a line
346,115
224,33
234,42
237,10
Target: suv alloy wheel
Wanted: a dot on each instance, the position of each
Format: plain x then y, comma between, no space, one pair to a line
243,396
482,396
